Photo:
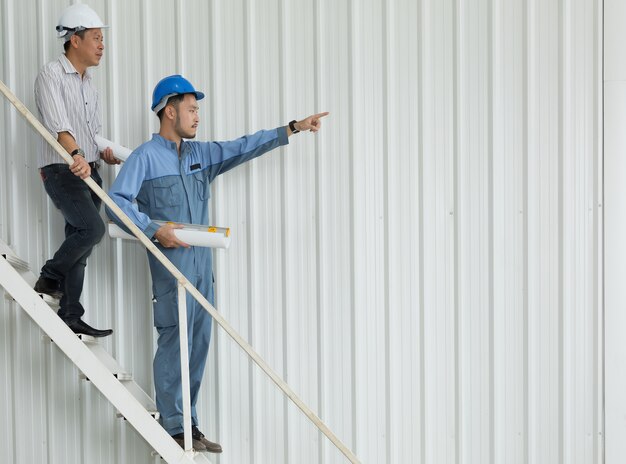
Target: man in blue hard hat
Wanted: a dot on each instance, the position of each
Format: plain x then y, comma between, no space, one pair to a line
168,179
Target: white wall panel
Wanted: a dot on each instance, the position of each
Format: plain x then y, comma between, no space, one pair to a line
426,272
615,228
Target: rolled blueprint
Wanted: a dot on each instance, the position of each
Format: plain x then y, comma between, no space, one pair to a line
120,152
192,234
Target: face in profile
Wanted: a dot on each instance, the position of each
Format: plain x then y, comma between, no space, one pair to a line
90,47
187,118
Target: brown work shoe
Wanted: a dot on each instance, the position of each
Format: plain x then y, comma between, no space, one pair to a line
196,444
208,445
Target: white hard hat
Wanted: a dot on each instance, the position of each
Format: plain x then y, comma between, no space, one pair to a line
77,18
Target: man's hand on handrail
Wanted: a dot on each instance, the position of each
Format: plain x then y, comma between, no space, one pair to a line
166,237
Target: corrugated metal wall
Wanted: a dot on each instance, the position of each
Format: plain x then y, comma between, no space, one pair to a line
425,272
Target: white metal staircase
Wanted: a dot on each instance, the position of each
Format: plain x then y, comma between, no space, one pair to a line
95,363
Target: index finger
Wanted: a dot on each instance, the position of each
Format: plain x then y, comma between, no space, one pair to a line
321,115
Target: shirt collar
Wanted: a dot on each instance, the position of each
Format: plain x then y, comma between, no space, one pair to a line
69,68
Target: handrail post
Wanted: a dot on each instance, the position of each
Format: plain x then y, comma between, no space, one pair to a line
184,365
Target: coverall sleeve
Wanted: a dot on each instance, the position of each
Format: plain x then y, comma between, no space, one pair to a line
224,156
51,106
124,191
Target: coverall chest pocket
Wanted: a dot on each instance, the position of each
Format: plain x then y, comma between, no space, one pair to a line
168,191
202,185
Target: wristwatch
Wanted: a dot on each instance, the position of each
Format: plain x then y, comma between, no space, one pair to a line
78,151
292,126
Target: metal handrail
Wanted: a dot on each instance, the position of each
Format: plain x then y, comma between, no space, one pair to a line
183,286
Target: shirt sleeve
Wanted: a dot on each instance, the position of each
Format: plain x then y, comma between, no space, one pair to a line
124,192
224,156
51,106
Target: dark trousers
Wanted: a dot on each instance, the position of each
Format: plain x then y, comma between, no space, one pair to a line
84,228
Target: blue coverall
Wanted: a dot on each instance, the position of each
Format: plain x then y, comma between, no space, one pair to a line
155,184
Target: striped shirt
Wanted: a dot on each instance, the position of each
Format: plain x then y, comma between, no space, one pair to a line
67,103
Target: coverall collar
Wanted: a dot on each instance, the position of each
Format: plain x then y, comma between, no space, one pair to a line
169,144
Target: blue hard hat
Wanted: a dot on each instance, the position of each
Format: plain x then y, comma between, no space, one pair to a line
170,86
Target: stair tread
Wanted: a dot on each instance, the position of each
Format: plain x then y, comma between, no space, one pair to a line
14,260
199,457
141,396
109,361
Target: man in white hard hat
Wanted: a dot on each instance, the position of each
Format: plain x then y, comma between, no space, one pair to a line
69,108
168,179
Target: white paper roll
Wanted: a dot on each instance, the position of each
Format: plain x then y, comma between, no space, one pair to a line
120,152
192,234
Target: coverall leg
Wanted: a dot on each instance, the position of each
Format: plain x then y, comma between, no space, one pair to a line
167,375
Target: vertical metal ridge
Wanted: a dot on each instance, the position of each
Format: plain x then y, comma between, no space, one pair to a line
597,257
251,218
145,60
386,90
561,186
7,69
179,37
421,220
525,226
48,405
318,92
214,210
530,63
600,356
211,92
282,78
112,76
10,119
38,32
212,59
351,136
456,127
13,308
490,228
115,260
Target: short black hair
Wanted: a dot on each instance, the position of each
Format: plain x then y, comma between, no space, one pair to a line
81,34
174,101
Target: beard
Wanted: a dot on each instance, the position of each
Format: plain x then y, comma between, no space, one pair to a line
181,132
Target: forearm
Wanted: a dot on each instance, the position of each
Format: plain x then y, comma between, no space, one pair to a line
67,141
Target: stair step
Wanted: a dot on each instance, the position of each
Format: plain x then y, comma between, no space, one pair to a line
200,458
52,302
19,264
141,396
88,338
125,378
103,356
109,361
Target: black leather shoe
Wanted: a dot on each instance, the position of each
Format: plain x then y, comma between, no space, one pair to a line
81,327
49,287
209,445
